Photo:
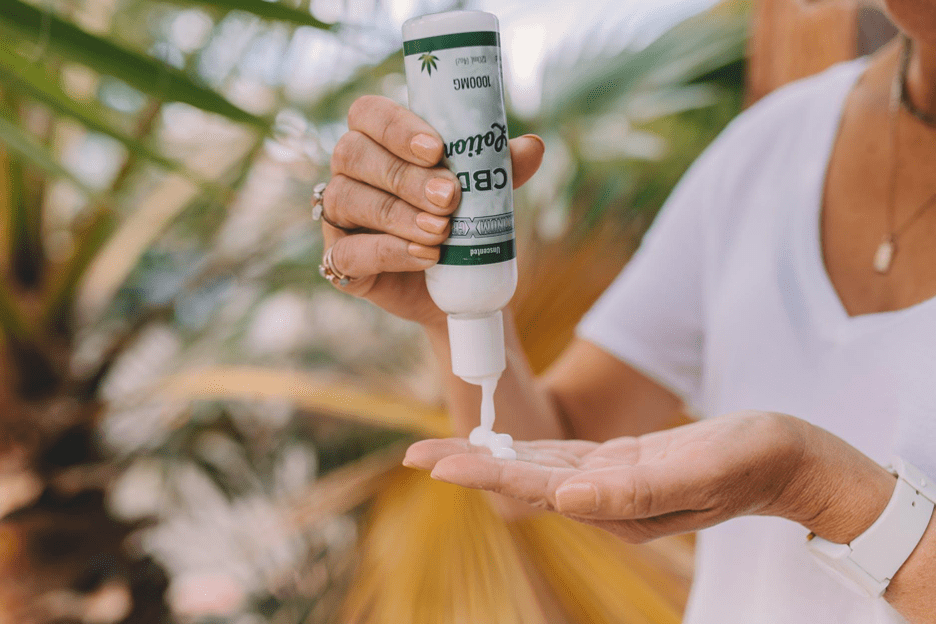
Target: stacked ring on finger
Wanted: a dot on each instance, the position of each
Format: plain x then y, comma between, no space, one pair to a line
328,271
318,208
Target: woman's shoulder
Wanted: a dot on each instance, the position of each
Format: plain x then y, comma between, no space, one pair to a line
768,155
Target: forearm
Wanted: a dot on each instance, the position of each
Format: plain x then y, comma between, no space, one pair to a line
911,591
839,494
525,408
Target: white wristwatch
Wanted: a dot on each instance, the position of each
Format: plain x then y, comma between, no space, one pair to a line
870,561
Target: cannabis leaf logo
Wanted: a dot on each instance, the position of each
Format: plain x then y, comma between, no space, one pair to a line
428,62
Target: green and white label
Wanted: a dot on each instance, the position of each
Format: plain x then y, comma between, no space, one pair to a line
456,84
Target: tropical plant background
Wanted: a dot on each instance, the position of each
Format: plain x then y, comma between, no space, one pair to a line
193,426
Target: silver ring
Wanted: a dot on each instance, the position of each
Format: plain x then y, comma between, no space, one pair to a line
318,208
328,271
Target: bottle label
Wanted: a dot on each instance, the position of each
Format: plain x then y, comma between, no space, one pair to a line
456,84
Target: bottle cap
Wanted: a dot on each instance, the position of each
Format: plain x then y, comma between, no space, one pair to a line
477,344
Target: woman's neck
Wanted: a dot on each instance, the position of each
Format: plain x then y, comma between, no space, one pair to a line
921,78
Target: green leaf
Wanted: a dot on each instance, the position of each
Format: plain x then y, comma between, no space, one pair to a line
25,147
29,77
153,77
333,105
688,51
13,322
62,292
428,62
261,8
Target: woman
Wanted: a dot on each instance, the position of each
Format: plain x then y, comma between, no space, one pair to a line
791,272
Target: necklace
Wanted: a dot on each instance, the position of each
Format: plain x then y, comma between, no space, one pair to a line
884,256
905,100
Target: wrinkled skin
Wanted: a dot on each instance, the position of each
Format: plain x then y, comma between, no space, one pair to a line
658,484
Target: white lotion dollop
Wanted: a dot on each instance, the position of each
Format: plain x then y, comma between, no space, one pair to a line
500,444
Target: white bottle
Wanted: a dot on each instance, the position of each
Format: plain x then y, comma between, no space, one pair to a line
455,82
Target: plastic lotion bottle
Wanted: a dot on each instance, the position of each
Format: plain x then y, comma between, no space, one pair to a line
455,82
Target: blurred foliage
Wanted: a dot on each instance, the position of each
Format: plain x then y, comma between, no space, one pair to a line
192,420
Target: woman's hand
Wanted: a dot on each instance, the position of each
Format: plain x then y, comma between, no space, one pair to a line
388,184
684,479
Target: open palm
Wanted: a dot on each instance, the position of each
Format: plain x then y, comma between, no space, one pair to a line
640,488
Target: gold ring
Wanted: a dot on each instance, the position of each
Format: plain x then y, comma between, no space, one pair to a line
328,271
318,208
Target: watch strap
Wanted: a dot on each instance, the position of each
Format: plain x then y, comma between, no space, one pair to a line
871,559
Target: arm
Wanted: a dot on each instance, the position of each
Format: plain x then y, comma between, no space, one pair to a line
588,394
840,493
911,590
699,475
392,200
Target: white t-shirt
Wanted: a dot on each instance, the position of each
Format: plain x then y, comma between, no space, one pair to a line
728,303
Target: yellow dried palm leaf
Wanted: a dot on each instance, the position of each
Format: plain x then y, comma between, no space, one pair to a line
310,392
154,213
559,282
599,578
344,488
438,553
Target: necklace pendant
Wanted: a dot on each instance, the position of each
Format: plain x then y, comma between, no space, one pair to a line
884,255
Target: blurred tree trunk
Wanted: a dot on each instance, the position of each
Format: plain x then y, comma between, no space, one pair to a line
792,39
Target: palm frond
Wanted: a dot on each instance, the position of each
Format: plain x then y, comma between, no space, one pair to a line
344,488
20,73
10,200
26,148
433,552
312,393
153,77
91,238
13,321
335,103
112,261
690,50
598,578
438,553
262,8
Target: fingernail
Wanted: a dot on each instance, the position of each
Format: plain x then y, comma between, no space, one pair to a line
577,498
408,463
434,224
536,138
421,251
426,147
439,191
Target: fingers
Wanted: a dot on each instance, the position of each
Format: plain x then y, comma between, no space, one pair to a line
628,492
358,156
407,136
526,154
557,453
529,482
426,453
363,255
352,204
566,448
399,130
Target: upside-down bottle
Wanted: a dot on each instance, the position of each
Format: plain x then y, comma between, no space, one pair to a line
455,82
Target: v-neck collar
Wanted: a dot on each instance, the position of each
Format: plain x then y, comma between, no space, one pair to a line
825,304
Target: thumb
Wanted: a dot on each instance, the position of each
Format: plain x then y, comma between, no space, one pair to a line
623,492
526,152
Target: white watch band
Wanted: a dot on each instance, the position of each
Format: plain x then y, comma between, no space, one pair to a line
870,561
